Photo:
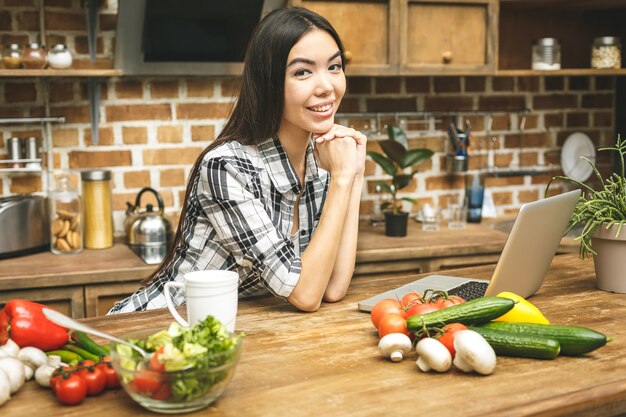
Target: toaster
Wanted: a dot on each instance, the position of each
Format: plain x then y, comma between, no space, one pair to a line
24,225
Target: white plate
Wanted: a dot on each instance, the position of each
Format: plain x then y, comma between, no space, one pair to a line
575,147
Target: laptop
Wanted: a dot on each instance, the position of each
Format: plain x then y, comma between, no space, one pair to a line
523,264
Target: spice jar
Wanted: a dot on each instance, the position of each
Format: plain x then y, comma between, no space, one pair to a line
606,52
546,54
12,56
59,57
65,225
34,57
98,209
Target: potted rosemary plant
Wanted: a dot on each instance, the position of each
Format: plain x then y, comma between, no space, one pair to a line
603,213
396,160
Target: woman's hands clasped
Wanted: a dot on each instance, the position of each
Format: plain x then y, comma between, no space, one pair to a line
341,151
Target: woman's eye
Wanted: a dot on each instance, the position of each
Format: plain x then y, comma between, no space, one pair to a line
335,67
302,72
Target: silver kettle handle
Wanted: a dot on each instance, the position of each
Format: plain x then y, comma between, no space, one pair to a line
156,194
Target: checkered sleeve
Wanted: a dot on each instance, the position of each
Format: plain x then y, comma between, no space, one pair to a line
229,193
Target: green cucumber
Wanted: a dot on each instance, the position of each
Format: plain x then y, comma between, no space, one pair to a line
84,342
66,356
480,310
519,345
574,340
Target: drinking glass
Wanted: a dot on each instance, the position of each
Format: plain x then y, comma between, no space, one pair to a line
474,195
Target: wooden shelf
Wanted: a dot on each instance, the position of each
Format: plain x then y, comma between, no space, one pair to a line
566,71
24,73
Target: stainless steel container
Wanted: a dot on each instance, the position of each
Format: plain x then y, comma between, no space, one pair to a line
23,225
14,149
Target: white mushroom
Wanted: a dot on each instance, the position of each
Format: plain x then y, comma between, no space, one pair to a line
394,346
44,372
432,355
10,348
28,372
5,387
14,368
473,353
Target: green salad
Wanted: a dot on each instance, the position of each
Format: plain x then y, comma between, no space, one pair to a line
190,353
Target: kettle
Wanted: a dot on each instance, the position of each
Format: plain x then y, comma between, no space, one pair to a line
148,233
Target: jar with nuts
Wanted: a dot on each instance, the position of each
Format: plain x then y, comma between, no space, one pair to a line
66,231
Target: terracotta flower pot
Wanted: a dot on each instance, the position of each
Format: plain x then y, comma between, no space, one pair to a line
396,224
610,261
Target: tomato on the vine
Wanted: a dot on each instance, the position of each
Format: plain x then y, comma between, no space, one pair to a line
95,379
447,338
451,300
421,309
392,323
410,299
146,382
71,390
384,307
110,377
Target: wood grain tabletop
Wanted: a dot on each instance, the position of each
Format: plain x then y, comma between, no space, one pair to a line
327,364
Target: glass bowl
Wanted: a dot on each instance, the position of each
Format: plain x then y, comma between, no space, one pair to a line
172,392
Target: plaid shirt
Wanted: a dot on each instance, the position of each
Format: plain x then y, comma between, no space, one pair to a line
240,214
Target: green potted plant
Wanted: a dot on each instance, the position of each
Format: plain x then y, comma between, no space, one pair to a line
396,160
603,213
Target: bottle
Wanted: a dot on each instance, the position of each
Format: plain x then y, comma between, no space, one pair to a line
34,57
606,53
546,54
98,209
59,57
65,219
12,57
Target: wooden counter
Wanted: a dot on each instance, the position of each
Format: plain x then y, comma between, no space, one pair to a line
327,363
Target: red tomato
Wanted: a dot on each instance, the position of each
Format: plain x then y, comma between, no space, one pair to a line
447,339
57,376
384,307
450,301
163,393
71,391
95,379
110,376
155,364
392,323
421,309
146,382
410,299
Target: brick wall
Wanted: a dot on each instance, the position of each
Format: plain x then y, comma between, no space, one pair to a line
152,128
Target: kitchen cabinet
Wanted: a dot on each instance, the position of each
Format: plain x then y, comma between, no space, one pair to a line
100,298
448,36
68,300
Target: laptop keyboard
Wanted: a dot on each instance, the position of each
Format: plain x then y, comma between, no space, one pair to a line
470,290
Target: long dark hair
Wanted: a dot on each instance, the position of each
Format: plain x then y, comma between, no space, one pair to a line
258,111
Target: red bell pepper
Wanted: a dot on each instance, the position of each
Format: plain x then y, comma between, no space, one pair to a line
24,323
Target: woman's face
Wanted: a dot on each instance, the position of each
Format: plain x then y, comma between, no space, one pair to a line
314,85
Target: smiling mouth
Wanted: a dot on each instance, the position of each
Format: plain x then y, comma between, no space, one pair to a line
321,109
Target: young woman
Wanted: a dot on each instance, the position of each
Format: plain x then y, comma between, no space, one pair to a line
276,196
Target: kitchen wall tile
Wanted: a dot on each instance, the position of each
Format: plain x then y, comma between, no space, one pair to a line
443,103
475,84
503,83
417,84
205,133
99,159
134,135
137,179
387,85
165,156
122,113
447,84
172,177
105,137
552,83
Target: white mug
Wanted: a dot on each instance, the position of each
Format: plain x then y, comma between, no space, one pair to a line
210,292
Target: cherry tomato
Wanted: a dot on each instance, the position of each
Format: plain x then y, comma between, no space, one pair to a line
450,301
447,339
95,379
410,299
110,376
421,309
146,382
71,391
155,363
384,307
392,323
57,376
163,393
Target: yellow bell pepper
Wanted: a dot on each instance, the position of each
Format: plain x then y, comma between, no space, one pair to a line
522,312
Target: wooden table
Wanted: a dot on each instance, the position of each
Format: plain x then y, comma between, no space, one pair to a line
327,363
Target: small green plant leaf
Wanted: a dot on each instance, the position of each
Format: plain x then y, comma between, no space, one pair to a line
409,199
396,134
385,186
394,150
386,164
416,156
401,181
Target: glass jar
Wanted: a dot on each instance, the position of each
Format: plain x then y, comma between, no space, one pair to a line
546,54
59,57
12,57
98,209
606,53
34,57
66,232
